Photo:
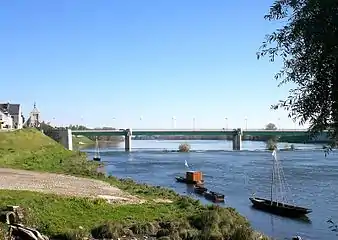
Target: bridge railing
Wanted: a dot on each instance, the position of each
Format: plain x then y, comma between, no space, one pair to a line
189,129
219,129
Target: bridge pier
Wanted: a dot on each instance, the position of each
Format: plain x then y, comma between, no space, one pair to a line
127,139
66,138
237,139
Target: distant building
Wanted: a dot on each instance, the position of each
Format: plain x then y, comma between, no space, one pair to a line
6,120
34,118
11,116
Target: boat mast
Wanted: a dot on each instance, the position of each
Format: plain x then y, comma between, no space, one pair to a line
97,151
272,180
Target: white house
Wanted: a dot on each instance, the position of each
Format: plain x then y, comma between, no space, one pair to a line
6,121
14,112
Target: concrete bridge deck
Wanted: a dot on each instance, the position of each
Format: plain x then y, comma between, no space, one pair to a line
191,132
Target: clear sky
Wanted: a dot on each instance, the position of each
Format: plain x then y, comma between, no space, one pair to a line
137,63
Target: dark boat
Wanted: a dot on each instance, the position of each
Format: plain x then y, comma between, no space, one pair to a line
278,206
184,180
97,152
200,189
214,196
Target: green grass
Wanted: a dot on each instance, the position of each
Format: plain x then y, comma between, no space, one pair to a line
31,150
54,214
185,218
80,141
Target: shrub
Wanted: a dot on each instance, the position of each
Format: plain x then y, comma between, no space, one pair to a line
271,145
108,230
184,147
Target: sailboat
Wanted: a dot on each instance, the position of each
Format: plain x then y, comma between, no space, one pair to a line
278,204
97,151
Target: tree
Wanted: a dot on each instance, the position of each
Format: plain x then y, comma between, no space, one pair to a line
77,127
271,142
184,147
270,126
308,47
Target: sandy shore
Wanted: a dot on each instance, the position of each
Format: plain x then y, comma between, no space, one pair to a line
14,179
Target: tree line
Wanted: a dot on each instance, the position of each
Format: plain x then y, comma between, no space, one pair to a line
100,138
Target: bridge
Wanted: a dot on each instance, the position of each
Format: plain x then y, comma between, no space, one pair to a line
191,132
66,136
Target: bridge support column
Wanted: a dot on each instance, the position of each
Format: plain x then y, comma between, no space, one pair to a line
127,140
66,138
237,139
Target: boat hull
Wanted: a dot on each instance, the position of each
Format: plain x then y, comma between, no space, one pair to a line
279,208
213,196
184,180
96,158
200,190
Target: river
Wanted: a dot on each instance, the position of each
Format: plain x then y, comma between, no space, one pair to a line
312,178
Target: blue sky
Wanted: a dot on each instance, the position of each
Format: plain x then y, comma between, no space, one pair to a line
110,62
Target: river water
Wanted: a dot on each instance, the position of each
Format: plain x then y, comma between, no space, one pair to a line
312,178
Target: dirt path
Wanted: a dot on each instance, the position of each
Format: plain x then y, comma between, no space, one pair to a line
13,179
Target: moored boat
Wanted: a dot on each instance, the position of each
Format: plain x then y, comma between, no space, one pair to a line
278,203
191,177
200,189
97,156
279,208
187,181
214,196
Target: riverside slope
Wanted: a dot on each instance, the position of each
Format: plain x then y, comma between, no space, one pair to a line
14,179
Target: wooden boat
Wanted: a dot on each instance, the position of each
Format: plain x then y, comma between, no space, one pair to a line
97,151
214,196
185,180
200,189
279,206
191,177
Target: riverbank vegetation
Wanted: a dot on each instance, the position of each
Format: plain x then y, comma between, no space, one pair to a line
184,147
271,141
80,141
184,219
175,217
114,139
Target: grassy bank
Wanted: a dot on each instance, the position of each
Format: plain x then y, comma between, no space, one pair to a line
184,218
80,141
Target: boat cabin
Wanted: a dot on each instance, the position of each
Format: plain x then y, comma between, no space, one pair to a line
194,176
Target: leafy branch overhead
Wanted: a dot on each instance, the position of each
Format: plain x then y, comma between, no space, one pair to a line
308,46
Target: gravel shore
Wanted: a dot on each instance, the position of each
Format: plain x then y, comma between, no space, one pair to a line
13,179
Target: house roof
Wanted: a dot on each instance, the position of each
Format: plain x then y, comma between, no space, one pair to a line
12,109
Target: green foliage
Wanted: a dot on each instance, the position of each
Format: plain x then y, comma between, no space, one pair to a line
75,218
31,150
308,46
77,127
271,145
271,126
184,147
271,141
80,141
